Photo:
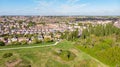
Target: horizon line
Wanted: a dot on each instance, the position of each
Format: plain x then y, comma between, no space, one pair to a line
59,15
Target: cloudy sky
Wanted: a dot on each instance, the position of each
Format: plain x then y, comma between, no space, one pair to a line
59,7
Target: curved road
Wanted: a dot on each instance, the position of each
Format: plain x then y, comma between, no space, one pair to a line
28,47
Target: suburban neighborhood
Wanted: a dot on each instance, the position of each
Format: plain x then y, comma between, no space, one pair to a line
28,28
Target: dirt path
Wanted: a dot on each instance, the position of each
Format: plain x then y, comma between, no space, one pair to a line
13,63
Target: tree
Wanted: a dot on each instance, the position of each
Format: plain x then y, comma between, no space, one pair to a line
101,30
24,42
51,34
48,39
31,24
2,43
15,43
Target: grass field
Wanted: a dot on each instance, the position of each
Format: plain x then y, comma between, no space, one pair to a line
45,57
105,48
12,46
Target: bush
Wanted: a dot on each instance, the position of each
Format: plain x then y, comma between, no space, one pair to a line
36,41
6,55
2,43
24,42
16,43
48,40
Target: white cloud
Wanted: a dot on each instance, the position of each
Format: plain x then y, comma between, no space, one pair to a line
71,7
72,1
68,7
43,5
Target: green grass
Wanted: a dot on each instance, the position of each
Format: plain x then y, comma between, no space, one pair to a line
66,55
104,49
53,63
87,63
13,46
65,45
44,57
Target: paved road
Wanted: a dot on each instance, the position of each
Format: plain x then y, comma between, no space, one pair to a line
28,47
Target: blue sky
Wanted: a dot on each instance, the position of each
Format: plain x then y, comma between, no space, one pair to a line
59,7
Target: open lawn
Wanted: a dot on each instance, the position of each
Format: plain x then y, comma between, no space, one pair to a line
46,57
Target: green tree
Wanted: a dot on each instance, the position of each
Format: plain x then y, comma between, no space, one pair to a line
2,43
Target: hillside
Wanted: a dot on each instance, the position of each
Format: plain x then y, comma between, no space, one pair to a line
49,57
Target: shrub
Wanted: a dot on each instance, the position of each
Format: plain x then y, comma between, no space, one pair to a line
16,43
48,40
24,42
36,41
6,55
2,43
